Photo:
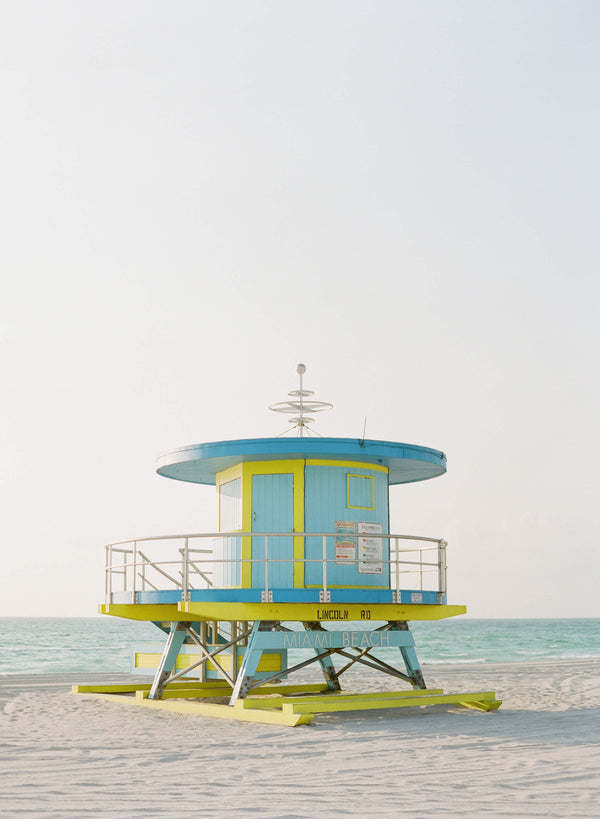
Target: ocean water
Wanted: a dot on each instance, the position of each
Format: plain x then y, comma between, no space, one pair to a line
41,645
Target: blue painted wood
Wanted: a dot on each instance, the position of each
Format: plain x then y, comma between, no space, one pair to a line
167,662
409,655
324,639
249,666
273,511
360,491
326,662
326,501
200,463
173,596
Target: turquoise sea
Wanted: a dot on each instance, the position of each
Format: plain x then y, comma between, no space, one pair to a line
40,645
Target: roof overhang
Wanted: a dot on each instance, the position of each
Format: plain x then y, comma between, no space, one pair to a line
200,463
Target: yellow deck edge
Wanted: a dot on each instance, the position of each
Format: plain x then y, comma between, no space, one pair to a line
334,613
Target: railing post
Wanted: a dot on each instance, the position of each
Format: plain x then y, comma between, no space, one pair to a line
107,575
325,567
266,593
267,564
186,572
397,570
442,568
134,583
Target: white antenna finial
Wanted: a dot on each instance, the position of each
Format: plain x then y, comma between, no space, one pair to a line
299,405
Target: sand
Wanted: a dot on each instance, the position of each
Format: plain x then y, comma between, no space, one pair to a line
67,755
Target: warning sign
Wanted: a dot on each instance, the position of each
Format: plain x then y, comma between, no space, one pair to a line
345,542
370,549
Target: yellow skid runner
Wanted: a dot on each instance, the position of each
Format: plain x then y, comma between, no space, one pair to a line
485,701
282,709
211,709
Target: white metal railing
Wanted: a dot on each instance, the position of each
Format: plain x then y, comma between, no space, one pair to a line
188,568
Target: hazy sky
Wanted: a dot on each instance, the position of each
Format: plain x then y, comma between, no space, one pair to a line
403,195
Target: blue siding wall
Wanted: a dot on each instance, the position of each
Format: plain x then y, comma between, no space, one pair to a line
329,497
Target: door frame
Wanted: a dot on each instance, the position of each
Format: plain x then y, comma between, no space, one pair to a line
296,469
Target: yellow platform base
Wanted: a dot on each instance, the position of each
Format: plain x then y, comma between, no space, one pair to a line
283,612
289,705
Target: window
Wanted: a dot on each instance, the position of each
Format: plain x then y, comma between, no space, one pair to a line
230,505
361,492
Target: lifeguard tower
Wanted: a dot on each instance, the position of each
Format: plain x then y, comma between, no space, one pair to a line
303,561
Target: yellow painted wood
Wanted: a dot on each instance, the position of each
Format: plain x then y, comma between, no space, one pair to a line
280,710
279,611
224,691
230,474
313,611
199,687
146,660
291,467
210,709
189,693
278,702
129,688
395,702
286,688
267,662
168,613
488,705
109,689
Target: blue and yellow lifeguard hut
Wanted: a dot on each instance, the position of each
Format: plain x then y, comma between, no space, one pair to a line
303,559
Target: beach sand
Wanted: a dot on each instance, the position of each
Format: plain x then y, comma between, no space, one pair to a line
63,754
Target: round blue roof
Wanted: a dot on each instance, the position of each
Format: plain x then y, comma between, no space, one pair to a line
201,463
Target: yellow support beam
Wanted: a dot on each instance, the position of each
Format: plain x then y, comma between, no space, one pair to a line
225,691
193,688
131,688
189,693
287,688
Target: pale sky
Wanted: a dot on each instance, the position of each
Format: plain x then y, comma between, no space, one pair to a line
196,196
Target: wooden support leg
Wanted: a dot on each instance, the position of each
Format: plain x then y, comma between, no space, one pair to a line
250,662
177,634
326,663
409,655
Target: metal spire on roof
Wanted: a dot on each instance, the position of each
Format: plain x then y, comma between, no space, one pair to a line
298,406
